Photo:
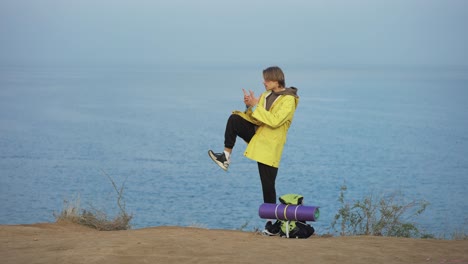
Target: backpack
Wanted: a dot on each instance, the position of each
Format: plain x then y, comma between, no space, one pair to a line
294,229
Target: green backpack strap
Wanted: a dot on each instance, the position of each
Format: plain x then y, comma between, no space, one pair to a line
287,227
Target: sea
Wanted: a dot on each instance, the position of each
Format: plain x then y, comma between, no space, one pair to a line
82,135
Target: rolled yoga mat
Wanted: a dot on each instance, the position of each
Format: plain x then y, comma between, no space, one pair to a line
289,212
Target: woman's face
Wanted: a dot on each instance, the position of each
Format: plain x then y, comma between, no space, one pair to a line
270,85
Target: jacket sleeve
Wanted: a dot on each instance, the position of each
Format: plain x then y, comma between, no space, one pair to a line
279,115
247,115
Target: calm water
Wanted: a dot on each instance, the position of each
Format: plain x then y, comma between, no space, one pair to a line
379,131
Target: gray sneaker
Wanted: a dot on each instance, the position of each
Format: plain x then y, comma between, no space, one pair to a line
220,159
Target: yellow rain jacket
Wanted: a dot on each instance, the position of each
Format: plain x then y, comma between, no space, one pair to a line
266,146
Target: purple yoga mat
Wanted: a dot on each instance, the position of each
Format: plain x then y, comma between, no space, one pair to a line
288,212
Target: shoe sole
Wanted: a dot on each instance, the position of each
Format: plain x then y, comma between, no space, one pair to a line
213,157
267,233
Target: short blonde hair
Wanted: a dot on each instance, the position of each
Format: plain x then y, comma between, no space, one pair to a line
275,74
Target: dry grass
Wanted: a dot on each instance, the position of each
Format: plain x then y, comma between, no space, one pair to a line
95,218
460,234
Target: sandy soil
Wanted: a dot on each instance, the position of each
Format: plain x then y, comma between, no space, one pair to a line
69,243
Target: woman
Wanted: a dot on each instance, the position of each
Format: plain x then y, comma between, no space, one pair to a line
264,126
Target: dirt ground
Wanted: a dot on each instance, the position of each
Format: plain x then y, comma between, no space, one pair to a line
69,243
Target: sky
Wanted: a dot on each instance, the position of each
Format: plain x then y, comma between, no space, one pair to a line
303,32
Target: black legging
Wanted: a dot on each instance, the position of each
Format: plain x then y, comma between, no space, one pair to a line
268,178
238,126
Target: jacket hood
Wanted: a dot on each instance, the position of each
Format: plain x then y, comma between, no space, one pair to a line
289,91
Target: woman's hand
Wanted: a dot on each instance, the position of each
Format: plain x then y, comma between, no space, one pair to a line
249,98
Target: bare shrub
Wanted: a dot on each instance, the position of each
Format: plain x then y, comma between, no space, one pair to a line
385,216
95,218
